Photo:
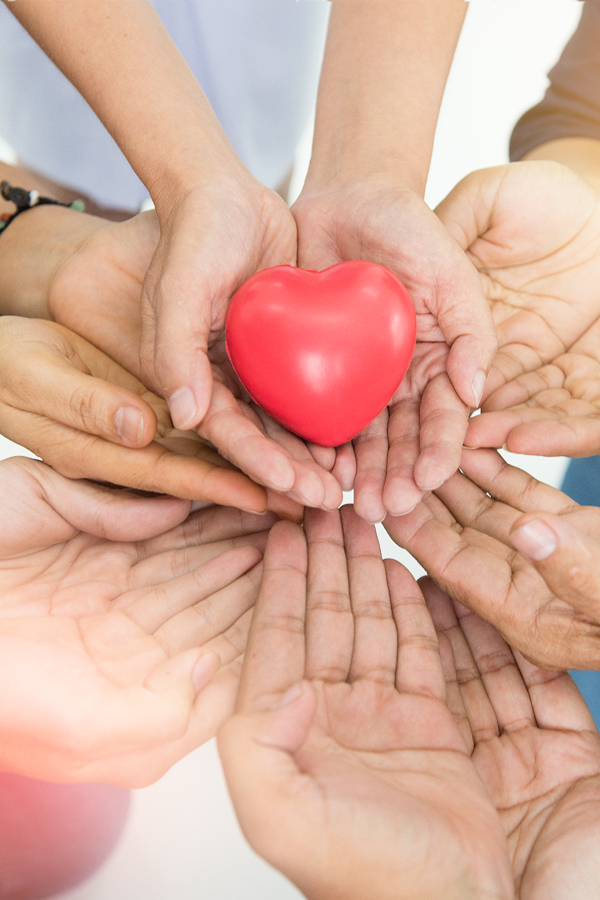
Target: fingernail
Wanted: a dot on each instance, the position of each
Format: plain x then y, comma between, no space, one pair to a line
129,423
535,540
477,386
207,666
183,409
255,512
290,695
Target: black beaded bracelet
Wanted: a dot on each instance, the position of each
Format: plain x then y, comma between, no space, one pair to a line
25,200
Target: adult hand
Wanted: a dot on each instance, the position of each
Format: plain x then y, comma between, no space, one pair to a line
532,230
346,768
94,288
70,404
120,639
543,599
415,446
536,749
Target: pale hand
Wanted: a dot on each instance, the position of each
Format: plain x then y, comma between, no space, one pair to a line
532,229
536,749
122,626
345,766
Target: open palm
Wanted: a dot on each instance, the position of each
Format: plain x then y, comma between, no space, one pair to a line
350,786
462,536
537,750
120,644
532,229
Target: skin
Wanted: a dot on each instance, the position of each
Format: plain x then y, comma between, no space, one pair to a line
382,82
342,759
384,75
536,749
122,626
89,276
87,417
540,280
543,599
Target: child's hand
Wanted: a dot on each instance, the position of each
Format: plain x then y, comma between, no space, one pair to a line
345,766
532,230
120,644
536,749
544,599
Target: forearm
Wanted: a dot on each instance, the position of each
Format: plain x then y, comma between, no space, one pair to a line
382,83
581,154
122,60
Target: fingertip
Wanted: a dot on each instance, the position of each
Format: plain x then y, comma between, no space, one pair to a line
534,539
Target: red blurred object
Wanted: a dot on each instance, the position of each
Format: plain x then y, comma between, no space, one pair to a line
322,352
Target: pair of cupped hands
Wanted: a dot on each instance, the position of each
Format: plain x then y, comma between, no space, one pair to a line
532,232
378,738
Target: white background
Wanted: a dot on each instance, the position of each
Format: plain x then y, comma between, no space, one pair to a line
182,842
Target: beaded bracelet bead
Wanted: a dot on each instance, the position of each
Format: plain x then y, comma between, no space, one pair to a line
25,200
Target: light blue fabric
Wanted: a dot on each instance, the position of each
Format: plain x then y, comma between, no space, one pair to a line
582,483
257,61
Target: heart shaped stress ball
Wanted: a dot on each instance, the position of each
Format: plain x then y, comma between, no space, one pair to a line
322,352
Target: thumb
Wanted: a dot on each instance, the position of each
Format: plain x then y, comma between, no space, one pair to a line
256,751
567,559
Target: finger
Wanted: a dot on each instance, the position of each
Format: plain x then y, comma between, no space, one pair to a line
524,388
311,480
329,620
437,603
419,668
574,436
153,468
499,672
512,485
480,713
400,493
240,441
116,515
275,656
344,470
375,641
555,698
444,421
207,526
371,449
325,457
567,559
152,608
60,387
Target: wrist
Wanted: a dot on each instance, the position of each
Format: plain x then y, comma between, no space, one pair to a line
32,249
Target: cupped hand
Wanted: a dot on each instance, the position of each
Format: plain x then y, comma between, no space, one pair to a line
96,292
543,599
536,749
532,230
122,626
345,766
416,445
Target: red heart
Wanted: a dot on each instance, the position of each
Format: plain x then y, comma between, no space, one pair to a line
322,352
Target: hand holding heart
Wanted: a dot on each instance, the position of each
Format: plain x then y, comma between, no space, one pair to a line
322,353
417,445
